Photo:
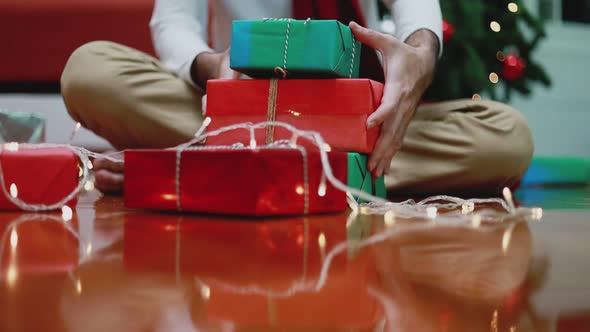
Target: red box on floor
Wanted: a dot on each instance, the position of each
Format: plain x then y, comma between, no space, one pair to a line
261,274
337,108
253,182
39,176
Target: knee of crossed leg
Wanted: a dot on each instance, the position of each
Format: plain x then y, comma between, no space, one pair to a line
504,148
85,79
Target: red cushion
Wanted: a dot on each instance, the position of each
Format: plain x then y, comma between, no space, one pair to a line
38,36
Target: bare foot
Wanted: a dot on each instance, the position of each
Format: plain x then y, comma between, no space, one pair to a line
108,176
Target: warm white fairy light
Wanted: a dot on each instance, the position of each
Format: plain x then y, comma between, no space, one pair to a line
89,165
495,26
11,146
252,143
508,198
389,218
89,185
327,147
364,210
74,132
323,187
205,292
476,97
431,212
536,213
299,190
494,78
66,213
89,249
13,190
512,7
467,208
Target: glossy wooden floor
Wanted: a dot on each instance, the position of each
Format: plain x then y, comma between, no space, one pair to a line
109,269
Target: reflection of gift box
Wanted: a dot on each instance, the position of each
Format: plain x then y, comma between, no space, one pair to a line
21,127
300,48
260,273
38,176
37,244
337,109
257,182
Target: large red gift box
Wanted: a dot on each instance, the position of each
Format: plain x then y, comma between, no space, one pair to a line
255,182
260,274
337,108
40,176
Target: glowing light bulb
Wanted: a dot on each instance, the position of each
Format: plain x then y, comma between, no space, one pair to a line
431,212
508,198
476,97
467,207
205,292
500,56
88,249
252,143
89,185
13,239
11,146
66,213
322,188
389,218
299,190
89,165
495,26
536,213
327,147
364,210
476,221
494,78
207,121
322,240
13,190
512,7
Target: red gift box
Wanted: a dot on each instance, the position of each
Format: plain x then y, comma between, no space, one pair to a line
250,268
40,176
336,108
256,182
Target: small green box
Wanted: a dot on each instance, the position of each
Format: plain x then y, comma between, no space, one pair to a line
301,49
360,178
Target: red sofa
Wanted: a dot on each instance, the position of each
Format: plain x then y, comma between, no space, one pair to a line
39,35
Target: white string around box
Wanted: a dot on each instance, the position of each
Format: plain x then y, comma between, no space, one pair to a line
427,208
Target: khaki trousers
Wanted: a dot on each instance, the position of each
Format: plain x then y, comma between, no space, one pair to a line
457,147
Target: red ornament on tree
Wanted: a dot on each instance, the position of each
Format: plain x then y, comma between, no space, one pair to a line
513,67
448,31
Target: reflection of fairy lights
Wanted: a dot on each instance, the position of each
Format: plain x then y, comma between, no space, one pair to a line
66,213
78,287
476,221
299,190
169,197
13,190
322,240
13,239
205,292
88,249
506,239
11,275
389,218
494,322
431,212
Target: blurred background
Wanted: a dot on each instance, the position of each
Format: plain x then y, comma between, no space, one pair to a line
531,53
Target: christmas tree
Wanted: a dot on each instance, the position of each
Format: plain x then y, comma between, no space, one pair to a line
487,49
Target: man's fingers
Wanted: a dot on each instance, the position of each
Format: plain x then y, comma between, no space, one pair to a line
371,38
108,182
379,116
103,163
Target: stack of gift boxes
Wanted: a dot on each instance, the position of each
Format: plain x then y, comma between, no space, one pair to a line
304,74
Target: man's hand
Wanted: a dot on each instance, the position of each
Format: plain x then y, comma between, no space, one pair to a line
408,68
209,66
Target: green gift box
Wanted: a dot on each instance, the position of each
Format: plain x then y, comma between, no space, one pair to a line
360,178
294,48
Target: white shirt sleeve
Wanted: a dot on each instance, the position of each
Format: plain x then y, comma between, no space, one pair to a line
179,33
410,16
